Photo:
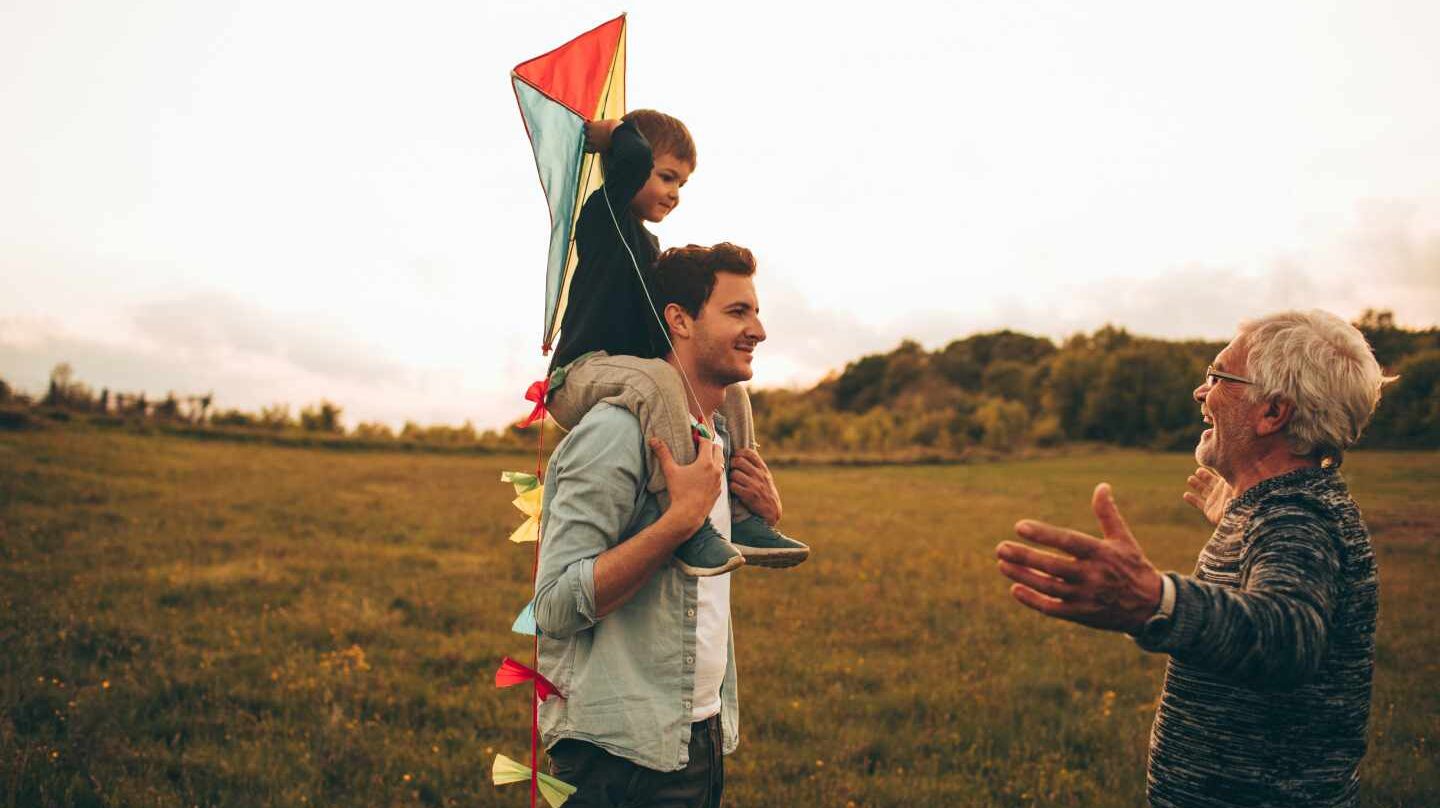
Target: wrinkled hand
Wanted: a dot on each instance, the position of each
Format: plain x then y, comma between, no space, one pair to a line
1103,583
597,134
752,482
693,488
1208,494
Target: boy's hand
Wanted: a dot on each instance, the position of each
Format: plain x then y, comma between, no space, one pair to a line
597,134
693,488
752,482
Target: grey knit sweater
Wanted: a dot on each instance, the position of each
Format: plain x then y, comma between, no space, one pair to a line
1272,649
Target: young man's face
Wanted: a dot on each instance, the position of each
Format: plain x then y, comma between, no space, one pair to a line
661,192
727,330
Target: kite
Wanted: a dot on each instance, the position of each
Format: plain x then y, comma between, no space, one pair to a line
506,771
558,92
582,80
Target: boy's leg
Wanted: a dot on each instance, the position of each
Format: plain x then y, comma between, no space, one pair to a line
760,543
654,392
649,388
739,422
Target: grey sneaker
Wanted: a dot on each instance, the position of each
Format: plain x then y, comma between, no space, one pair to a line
707,553
764,546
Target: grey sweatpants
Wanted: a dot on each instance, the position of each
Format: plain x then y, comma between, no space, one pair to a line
654,392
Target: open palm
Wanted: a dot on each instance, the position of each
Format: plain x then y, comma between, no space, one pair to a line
1208,494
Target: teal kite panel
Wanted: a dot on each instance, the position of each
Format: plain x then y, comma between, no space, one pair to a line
558,138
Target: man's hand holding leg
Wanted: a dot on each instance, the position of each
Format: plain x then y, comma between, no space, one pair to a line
624,568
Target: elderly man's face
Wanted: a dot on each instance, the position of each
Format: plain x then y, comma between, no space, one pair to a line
1225,405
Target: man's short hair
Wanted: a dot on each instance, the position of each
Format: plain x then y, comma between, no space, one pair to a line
667,135
1322,365
685,276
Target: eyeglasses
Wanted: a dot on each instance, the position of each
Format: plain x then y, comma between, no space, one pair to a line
1213,377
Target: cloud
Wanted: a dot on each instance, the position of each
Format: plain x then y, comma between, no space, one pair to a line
210,325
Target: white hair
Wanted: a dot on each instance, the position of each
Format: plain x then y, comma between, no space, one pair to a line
1323,366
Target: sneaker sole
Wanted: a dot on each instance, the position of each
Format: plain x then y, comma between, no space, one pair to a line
773,557
735,563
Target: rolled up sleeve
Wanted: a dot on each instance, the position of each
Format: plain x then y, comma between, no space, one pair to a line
596,479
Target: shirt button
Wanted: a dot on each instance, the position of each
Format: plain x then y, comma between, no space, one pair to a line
689,660
686,704
689,612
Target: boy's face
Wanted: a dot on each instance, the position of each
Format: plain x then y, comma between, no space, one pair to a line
661,192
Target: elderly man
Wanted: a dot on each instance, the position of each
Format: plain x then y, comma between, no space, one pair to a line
1272,640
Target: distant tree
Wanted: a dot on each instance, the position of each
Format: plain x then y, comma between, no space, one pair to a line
233,418
104,404
374,430
858,387
322,417
275,416
169,408
5,392
956,364
1409,413
64,391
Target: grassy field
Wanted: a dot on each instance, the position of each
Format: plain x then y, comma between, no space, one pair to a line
188,623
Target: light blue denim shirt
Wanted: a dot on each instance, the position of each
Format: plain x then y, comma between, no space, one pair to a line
627,677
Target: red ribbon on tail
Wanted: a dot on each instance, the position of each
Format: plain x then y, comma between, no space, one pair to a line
536,393
512,673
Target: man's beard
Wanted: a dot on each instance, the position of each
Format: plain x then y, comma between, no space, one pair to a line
1211,454
719,367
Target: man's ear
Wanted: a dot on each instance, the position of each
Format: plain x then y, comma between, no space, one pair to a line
1276,415
679,320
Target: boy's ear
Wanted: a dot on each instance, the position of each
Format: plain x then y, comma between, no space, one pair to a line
678,319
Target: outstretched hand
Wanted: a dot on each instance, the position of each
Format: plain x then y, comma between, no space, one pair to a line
1104,583
1208,494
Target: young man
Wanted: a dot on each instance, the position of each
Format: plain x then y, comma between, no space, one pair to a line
643,652
1272,640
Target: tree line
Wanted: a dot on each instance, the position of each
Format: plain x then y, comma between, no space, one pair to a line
1005,390
999,391
66,397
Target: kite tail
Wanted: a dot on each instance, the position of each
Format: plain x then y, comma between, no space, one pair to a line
535,652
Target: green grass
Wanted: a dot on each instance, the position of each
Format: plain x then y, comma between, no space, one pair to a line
191,623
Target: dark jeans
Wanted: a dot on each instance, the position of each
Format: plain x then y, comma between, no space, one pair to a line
607,781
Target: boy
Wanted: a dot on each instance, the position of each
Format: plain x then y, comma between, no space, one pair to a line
611,338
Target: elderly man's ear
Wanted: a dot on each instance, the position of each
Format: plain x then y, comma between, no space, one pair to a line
1276,416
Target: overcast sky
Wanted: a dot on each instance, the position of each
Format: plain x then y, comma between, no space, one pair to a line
283,201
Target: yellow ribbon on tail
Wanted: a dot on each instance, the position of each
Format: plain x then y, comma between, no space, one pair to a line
531,494
555,791
529,504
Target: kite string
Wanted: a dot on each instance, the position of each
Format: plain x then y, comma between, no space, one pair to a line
640,276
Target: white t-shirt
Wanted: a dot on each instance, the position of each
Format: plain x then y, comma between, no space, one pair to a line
712,621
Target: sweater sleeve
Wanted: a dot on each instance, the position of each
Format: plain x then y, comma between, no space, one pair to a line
1274,629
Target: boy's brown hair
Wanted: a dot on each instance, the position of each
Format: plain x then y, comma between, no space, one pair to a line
685,276
667,135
